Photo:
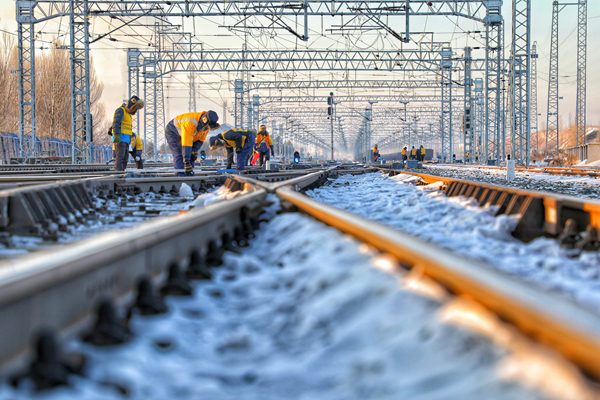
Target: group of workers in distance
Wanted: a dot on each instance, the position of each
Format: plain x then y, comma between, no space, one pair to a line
414,154
185,135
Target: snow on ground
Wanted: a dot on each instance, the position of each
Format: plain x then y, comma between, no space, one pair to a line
460,225
299,315
123,212
575,185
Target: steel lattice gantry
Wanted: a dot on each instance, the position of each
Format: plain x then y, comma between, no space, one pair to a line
493,75
552,139
238,104
533,111
446,103
580,114
133,64
520,83
81,120
26,49
80,11
468,130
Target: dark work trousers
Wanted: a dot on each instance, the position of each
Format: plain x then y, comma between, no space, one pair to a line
122,156
266,156
246,151
174,142
139,164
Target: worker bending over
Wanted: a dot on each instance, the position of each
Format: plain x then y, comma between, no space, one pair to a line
137,146
242,140
375,153
122,130
264,145
185,135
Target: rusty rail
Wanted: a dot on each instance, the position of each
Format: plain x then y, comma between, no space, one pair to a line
551,320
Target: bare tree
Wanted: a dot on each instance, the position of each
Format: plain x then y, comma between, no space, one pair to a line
53,92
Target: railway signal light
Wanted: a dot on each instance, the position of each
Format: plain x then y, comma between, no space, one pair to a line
203,155
296,157
330,103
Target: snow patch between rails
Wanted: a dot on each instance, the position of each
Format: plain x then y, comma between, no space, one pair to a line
458,224
301,314
185,190
220,194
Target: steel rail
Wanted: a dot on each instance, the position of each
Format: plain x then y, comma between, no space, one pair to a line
595,173
57,288
553,211
551,320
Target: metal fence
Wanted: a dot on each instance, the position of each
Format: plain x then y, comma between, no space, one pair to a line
48,147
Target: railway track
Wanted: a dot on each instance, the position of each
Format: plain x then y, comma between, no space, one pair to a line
60,289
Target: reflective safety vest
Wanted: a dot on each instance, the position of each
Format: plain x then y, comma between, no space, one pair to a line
414,152
126,124
422,150
186,125
403,152
263,138
230,136
138,145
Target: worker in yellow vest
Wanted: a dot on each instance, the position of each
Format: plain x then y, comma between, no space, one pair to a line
404,154
422,149
122,130
137,147
240,140
413,153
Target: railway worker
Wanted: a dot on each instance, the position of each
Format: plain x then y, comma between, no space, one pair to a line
185,135
413,153
137,147
404,154
122,130
264,145
375,153
242,140
422,151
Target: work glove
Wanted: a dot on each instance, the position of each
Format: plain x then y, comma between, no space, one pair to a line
189,170
116,139
138,158
194,156
238,150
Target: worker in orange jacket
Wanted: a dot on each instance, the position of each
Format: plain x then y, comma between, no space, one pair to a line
185,135
264,145
375,153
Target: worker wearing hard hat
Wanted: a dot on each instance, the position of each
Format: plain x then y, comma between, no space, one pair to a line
375,153
264,144
122,130
137,147
404,154
242,140
185,135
